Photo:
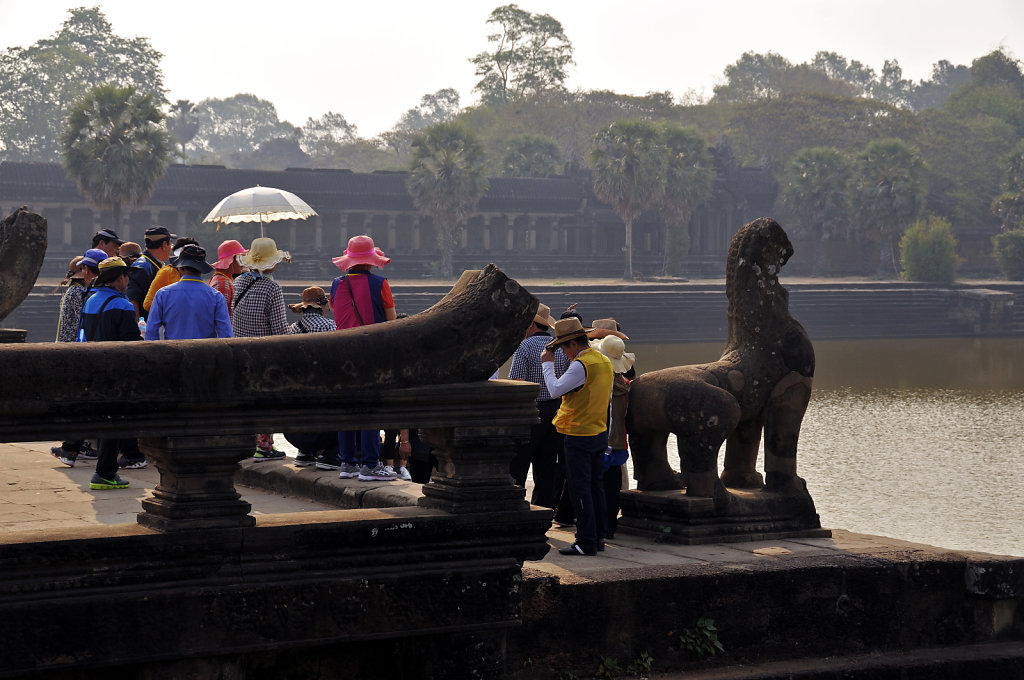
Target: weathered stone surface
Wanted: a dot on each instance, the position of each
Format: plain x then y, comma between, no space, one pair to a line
22,248
259,383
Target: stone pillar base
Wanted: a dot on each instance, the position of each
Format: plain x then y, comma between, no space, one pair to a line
472,474
197,483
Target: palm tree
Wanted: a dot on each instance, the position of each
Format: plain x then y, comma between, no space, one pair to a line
815,189
689,181
888,192
115,148
628,162
447,179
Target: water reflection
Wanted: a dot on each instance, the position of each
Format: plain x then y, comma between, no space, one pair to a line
914,439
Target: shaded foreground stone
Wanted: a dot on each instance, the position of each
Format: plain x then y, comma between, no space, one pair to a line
797,600
199,588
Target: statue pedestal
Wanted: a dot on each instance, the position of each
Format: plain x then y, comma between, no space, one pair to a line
731,516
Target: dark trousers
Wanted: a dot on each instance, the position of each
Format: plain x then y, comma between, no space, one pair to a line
313,442
366,442
106,463
541,451
584,461
612,479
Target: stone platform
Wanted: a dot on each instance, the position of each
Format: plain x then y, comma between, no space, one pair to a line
804,607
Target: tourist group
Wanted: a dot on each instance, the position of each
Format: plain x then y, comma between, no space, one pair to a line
119,291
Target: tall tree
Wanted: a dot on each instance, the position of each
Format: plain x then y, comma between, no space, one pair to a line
853,72
447,179
753,77
628,160
888,191
115,147
183,124
1009,206
39,83
529,155
891,87
229,129
530,54
689,181
946,79
815,190
323,137
439,107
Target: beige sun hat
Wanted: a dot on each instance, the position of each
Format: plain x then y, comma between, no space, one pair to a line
615,349
263,255
566,330
605,327
543,316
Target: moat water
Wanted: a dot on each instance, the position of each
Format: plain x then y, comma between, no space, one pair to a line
920,440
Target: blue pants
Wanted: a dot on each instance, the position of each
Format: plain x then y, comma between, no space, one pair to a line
584,460
367,442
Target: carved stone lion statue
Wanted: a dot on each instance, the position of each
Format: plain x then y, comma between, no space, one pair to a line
761,383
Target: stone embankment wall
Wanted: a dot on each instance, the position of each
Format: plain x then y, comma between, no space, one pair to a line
668,313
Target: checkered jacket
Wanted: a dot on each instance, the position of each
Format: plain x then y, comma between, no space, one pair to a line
526,363
257,307
313,322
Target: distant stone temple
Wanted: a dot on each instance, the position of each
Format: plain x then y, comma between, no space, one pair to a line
529,226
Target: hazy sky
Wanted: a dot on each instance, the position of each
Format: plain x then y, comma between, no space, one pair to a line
372,61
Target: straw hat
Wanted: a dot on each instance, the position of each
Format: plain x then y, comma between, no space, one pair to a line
314,296
615,349
543,316
605,327
263,255
361,251
75,268
566,330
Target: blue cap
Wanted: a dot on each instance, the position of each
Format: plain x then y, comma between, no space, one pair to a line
93,257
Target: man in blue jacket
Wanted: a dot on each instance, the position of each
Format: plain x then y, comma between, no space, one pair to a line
190,308
108,315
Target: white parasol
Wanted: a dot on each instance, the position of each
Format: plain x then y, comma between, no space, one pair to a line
262,204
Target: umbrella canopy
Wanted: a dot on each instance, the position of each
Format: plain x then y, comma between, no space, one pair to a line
259,204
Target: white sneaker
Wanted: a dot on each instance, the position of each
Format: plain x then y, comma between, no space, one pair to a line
403,473
388,468
377,474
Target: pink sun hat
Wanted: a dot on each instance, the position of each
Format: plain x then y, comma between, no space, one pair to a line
361,251
226,252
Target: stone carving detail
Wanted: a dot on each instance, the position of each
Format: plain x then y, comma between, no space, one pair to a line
22,247
762,382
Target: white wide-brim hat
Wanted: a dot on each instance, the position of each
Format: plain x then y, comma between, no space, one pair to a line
614,348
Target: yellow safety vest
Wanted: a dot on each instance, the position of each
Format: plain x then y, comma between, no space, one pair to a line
584,413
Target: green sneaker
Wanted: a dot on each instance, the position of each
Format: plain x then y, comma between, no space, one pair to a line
262,455
98,483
